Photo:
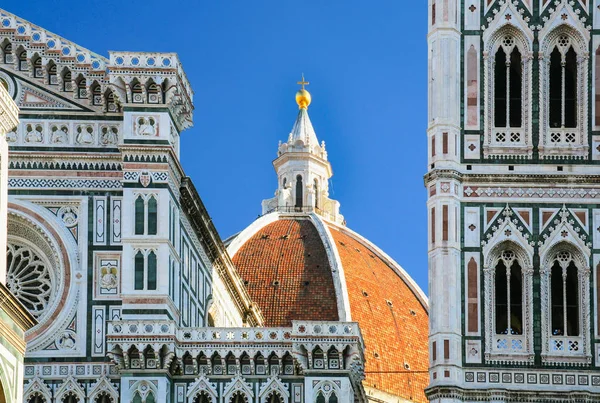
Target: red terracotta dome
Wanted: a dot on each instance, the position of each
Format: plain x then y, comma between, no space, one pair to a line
303,267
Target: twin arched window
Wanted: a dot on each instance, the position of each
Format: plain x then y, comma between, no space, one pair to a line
146,215
564,289
332,399
145,275
137,398
562,92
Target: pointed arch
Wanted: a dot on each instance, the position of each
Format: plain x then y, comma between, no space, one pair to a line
21,55
81,85
96,91
259,364
318,358
202,387
111,101
565,303
67,79
507,83
103,388
508,299
36,66
238,391
273,387
217,364
144,391
7,52
37,391
52,73
563,91
70,389
137,91
153,92
324,390
245,364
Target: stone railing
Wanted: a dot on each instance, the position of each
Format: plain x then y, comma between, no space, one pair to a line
563,137
9,112
509,344
566,346
128,329
508,137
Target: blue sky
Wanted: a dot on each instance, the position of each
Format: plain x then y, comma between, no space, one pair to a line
366,61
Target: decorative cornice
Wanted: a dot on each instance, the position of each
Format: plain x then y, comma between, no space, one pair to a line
490,178
17,312
499,393
9,112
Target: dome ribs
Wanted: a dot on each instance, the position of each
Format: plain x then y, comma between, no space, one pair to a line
382,302
288,273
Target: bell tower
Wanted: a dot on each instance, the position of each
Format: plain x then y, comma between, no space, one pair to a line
302,168
513,217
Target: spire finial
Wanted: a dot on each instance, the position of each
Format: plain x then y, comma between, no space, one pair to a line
303,97
303,82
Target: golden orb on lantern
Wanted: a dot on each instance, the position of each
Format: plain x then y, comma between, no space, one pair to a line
303,97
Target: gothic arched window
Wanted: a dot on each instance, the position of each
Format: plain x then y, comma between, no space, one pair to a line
152,271
320,398
136,398
152,216
333,398
509,295
564,297
563,86
150,398
508,76
299,193
565,305
564,91
139,270
139,215
36,399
